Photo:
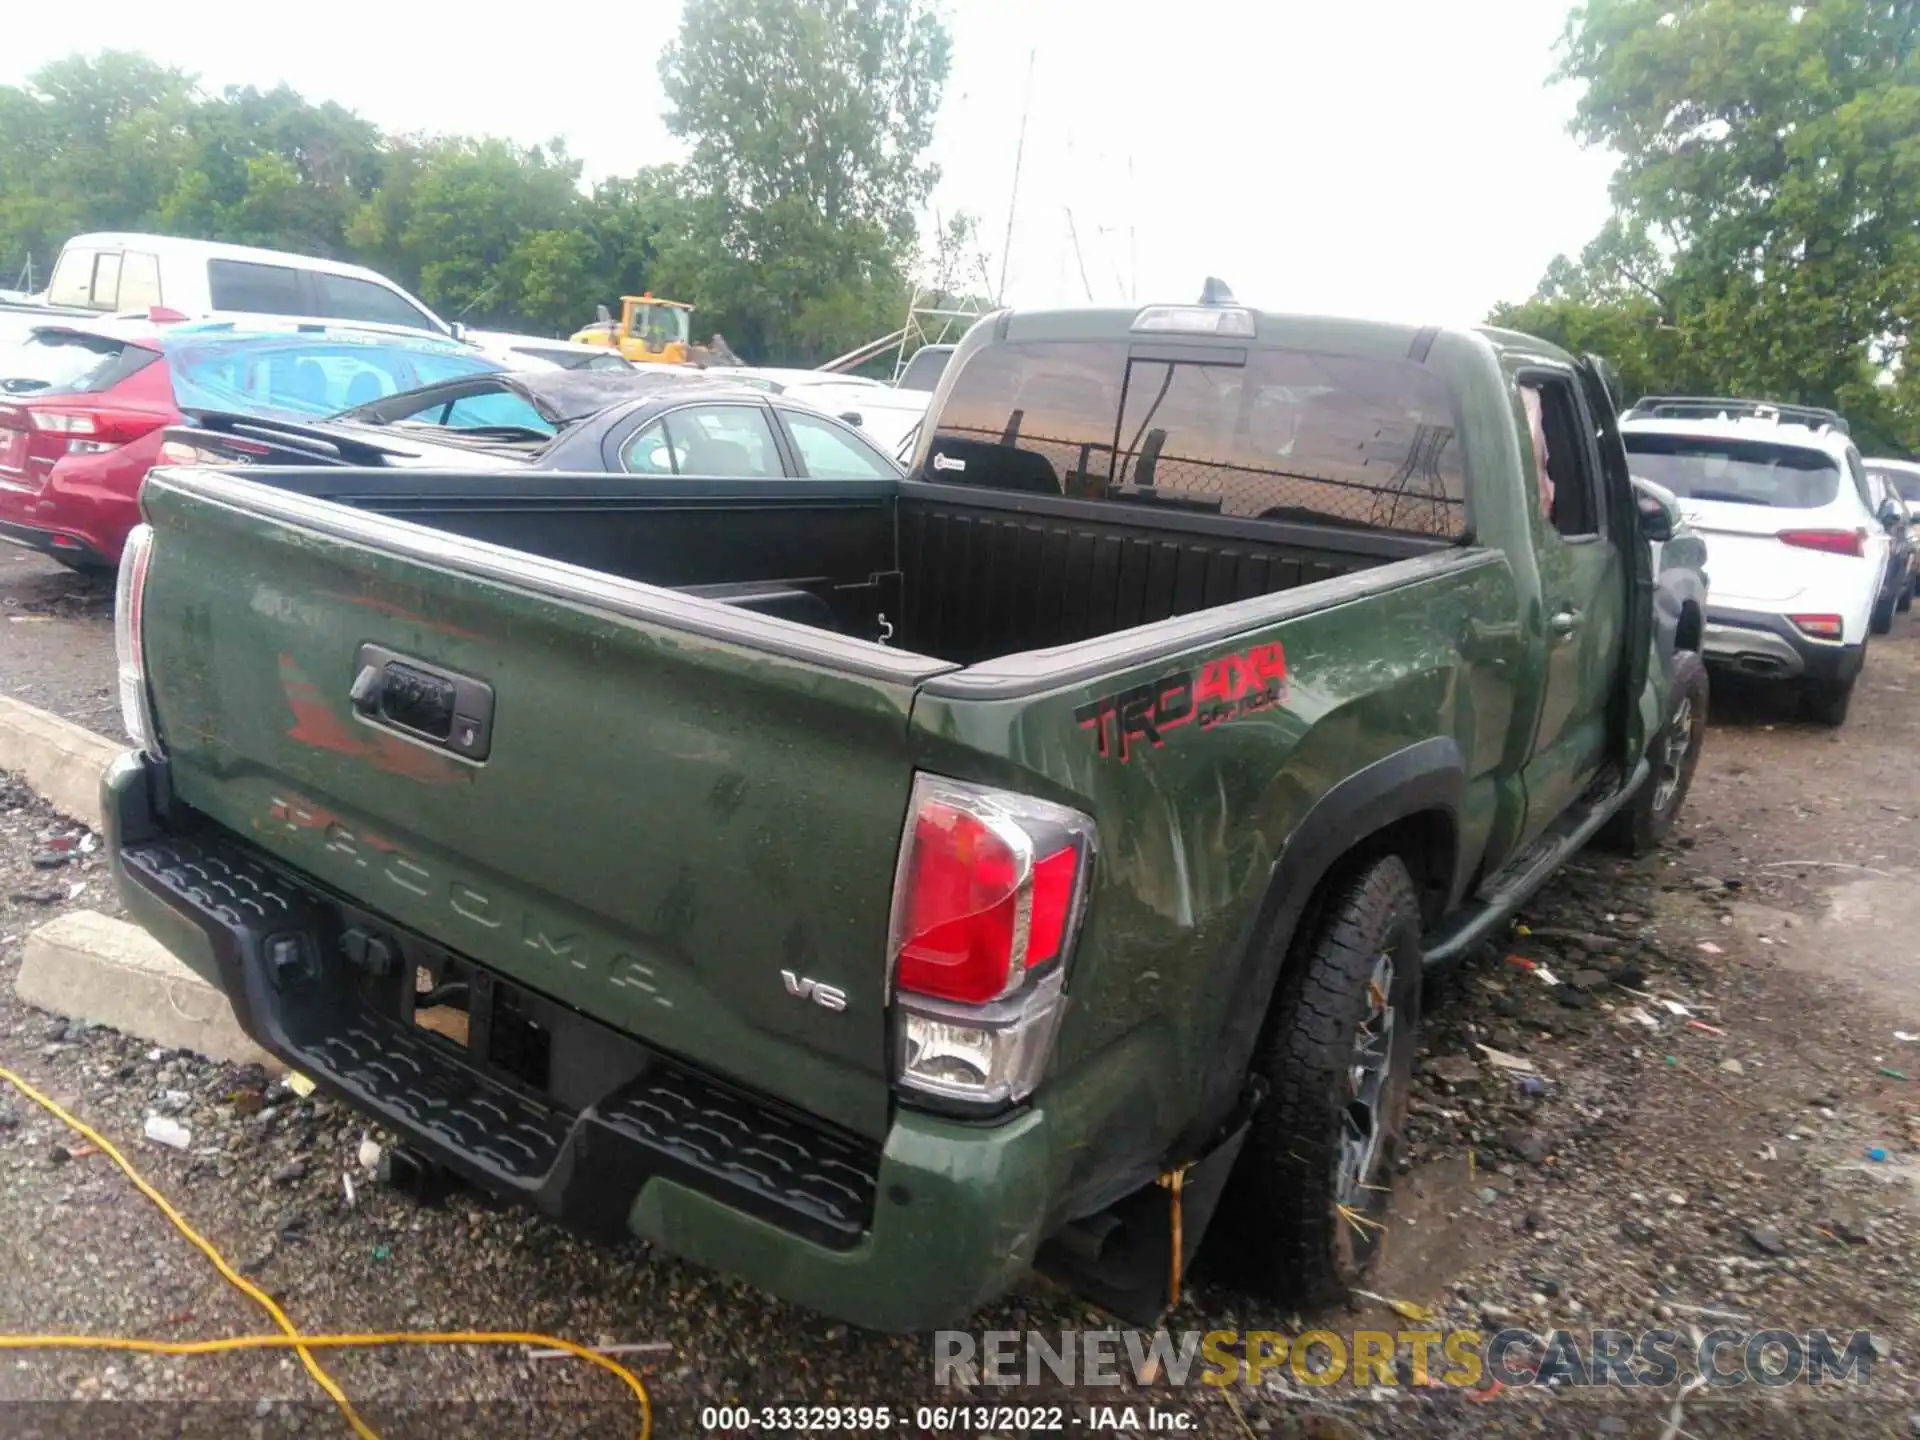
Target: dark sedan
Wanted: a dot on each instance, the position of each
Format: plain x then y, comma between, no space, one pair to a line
647,422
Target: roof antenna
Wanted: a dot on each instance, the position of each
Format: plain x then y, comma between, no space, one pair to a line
1215,292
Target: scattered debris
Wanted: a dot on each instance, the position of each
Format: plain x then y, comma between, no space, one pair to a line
1706,1029
1733,1067
369,1153
163,1130
1506,1061
639,1347
1405,1309
1766,1240
346,1184
1530,1145
1877,1154
299,1084
1893,1074
1825,865
1709,948
1711,1312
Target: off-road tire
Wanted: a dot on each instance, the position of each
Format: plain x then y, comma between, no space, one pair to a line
1825,702
1881,621
1288,1238
1648,818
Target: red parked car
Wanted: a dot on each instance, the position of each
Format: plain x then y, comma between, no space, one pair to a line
83,408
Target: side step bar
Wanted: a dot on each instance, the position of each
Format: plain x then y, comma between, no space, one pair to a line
1516,885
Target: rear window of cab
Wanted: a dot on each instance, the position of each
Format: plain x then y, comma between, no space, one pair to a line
1255,434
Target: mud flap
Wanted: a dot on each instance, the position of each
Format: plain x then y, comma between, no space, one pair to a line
1130,1258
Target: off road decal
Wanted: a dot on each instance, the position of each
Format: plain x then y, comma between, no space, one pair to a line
1220,690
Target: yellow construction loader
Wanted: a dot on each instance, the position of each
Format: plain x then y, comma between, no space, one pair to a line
649,331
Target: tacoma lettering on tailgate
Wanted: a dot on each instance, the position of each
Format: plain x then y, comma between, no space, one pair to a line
1223,689
334,844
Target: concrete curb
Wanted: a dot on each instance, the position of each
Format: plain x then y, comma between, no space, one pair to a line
89,967
62,761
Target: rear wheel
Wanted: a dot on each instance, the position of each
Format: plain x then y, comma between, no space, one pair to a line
1882,618
1648,818
1825,702
1311,1191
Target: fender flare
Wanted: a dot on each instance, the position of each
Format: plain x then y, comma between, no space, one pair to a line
1428,776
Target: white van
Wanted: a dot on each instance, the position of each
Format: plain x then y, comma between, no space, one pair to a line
120,273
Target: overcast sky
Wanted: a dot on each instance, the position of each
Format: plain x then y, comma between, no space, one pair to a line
1392,158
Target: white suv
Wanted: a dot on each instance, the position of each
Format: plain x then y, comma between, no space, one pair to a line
1797,556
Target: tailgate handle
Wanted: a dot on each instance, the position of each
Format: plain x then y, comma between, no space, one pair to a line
422,701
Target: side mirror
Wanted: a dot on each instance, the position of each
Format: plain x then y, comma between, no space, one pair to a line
458,331
1657,516
1890,516
604,315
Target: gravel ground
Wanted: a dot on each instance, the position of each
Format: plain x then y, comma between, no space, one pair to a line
1661,1170
56,642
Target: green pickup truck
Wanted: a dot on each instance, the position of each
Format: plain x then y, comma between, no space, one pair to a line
879,887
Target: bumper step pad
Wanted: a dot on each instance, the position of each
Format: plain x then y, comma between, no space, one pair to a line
667,1121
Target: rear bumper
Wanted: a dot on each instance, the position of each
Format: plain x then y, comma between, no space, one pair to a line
1771,647
76,513
64,544
912,1234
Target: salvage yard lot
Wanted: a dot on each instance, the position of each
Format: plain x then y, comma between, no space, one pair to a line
1662,1167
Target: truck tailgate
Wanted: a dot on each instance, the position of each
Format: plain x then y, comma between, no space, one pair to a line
679,808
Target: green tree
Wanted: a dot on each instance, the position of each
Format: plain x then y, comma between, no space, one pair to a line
88,144
629,219
807,123
1766,195
545,277
464,209
791,227
269,168
830,102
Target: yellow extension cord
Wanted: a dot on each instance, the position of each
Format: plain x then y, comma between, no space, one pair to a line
290,1338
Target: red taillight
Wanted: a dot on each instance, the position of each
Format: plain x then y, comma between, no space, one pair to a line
1820,627
90,429
987,889
986,901
1833,542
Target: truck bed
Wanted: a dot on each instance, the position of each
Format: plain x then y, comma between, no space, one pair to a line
946,572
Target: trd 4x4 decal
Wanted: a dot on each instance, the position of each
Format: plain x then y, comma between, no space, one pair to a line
1222,689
